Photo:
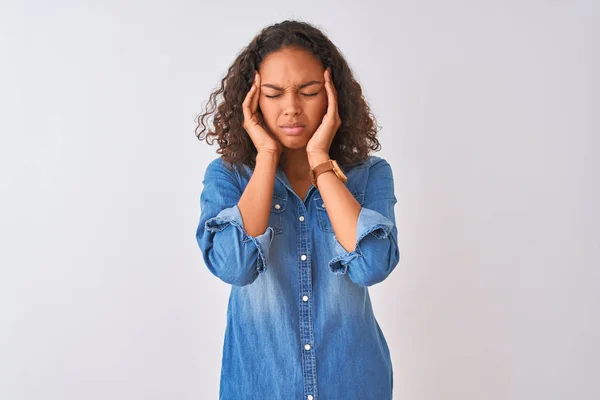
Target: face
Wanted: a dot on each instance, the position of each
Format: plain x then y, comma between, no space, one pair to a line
292,92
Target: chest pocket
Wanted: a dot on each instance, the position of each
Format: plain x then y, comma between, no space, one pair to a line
276,218
323,217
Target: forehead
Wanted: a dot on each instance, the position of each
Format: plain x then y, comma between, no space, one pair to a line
290,66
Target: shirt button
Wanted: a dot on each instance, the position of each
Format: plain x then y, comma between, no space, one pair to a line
310,397
301,218
307,346
303,257
305,298
277,206
323,205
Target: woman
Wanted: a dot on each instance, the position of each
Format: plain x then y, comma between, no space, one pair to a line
299,237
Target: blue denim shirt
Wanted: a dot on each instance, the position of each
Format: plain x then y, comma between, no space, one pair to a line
299,320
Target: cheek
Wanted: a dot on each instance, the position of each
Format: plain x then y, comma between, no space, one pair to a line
264,108
318,108
268,112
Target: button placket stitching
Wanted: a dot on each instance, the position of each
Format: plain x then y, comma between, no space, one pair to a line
306,322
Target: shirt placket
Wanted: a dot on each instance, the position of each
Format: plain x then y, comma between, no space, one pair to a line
309,369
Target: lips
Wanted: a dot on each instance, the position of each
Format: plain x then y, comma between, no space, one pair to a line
292,130
293,125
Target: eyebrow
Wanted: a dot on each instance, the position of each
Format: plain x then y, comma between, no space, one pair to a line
299,87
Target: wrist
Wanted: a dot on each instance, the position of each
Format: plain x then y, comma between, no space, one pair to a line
317,158
267,157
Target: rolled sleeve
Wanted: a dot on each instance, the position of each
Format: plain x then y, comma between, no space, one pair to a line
369,222
232,216
227,250
376,252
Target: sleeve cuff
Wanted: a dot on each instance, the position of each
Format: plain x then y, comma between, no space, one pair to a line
369,222
232,216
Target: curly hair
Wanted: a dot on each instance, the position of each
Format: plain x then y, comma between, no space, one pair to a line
354,138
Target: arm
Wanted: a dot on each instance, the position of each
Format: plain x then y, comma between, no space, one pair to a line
233,234
342,208
365,240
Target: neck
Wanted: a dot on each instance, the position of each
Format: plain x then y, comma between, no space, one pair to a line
296,165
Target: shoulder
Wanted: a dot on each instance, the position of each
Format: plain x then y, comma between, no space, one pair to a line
376,161
221,169
371,163
379,169
364,175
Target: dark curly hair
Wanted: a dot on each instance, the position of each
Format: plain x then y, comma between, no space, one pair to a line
358,131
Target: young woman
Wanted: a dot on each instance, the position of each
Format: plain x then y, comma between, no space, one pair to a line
299,219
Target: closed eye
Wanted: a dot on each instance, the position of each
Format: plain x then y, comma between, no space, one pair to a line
303,94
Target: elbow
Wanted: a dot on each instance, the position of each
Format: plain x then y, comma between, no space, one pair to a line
371,278
236,278
231,271
237,265
373,270
232,256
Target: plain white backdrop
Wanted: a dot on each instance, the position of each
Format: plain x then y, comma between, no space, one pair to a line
489,116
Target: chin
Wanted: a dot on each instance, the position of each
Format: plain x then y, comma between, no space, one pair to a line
294,142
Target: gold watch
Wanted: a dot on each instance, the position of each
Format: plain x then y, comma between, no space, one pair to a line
324,167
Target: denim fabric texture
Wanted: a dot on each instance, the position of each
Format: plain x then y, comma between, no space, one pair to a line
300,324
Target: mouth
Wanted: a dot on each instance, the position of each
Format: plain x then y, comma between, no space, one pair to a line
293,130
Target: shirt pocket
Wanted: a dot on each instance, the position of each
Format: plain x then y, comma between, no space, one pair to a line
323,217
277,216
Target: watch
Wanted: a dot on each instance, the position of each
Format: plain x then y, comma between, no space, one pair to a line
324,167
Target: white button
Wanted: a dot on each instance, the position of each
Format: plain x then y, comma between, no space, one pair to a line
303,257
305,298
301,218
310,397
307,346
277,206
323,205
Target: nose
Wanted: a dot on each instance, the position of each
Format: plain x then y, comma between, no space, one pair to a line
292,105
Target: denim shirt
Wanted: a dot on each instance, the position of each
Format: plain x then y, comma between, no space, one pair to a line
300,324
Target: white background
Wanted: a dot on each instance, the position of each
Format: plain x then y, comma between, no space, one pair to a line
489,115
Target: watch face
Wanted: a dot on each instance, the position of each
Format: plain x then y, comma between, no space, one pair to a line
338,170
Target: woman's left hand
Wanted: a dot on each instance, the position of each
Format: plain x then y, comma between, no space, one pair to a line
319,144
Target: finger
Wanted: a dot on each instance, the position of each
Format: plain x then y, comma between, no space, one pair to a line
248,102
331,83
331,97
256,95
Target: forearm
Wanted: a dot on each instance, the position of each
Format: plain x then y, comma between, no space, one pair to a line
342,208
255,202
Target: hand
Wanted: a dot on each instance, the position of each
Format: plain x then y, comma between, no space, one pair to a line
321,140
263,141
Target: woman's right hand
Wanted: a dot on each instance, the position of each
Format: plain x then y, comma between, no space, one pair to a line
263,141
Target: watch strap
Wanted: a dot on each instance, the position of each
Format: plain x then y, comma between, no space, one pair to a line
319,169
